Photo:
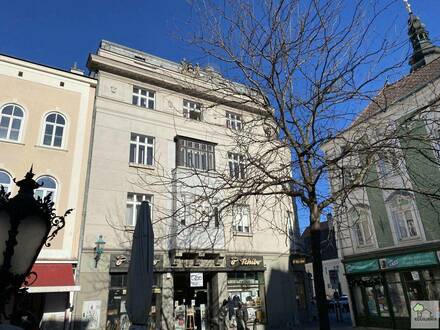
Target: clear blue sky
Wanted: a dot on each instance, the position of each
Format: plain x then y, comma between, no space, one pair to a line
61,32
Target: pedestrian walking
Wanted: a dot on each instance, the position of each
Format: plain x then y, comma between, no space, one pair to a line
242,317
223,316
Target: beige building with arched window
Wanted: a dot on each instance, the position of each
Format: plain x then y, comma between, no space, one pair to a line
45,120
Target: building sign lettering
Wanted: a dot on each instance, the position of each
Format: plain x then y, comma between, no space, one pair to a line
245,262
120,262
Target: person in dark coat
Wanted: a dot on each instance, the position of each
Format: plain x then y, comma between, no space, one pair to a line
223,316
242,317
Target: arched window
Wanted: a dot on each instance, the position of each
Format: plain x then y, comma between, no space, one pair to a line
361,227
49,185
403,215
5,180
11,118
54,125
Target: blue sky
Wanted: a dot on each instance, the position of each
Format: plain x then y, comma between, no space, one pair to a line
61,32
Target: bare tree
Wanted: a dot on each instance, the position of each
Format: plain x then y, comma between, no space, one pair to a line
306,70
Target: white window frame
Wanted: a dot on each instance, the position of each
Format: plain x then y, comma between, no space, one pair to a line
45,190
11,119
234,121
138,144
190,107
361,223
399,218
236,166
54,125
143,95
135,202
8,186
243,222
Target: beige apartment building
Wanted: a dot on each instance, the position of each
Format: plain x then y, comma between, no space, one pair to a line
45,121
162,135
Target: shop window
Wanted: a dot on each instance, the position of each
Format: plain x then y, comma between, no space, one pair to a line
413,284
432,281
248,287
357,294
396,294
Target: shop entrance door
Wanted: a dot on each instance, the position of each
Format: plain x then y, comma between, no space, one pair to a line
188,299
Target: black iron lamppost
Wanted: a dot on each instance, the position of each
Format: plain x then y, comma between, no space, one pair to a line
26,225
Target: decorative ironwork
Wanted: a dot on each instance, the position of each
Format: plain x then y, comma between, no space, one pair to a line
18,208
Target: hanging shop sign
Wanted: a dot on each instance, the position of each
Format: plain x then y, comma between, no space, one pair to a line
120,262
410,260
196,280
245,262
363,266
298,261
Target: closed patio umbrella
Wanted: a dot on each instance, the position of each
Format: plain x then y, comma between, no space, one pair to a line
140,270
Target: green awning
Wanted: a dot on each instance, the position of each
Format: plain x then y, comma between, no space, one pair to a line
412,260
362,266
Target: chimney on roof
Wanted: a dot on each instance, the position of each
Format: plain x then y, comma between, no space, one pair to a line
424,51
76,70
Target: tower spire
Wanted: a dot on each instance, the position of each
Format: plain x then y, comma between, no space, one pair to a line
408,6
424,51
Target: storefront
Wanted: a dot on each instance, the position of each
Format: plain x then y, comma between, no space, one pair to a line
382,289
117,318
245,281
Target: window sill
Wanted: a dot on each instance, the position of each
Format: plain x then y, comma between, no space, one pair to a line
50,148
147,167
129,228
410,239
12,142
242,234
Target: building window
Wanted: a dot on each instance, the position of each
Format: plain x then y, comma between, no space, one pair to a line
11,119
236,165
361,228
54,125
200,212
192,110
404,217
233,121
48,187
241,218
195,154
141,149
143,97
5,181
133,204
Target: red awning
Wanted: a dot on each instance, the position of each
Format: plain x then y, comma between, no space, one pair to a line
56,276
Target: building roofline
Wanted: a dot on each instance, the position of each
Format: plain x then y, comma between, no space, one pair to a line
47,68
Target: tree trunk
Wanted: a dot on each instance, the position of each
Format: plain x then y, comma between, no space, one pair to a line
318,276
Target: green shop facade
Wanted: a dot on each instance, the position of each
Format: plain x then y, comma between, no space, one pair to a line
382,288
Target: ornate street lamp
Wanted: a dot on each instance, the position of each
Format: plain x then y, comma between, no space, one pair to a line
99,249
26,225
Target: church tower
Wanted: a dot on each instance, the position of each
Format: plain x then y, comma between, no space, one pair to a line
424,51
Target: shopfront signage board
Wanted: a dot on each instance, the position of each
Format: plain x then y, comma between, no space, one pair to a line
120,262
196,280
245,262
362,266
412,260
